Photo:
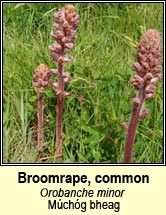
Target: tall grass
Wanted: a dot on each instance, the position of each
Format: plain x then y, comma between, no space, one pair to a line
104,56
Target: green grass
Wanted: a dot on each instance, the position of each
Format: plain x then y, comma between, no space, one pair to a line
104,55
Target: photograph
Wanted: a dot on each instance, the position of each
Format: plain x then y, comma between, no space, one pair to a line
83,83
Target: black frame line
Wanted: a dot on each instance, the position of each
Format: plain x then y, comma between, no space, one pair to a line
82,164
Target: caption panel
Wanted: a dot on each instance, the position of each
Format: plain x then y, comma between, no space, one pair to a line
82,190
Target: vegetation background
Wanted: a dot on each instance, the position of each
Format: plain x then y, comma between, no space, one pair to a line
104,54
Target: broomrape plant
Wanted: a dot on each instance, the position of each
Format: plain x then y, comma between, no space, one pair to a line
41,80
66,23
147,67
148,73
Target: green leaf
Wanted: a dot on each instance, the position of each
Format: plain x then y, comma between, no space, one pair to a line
32,98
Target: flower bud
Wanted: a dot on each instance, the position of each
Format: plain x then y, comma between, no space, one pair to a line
143,113
137,81
54,71
150,89
69,45
57,48
136,101
67,94
68,59
156,78
54,56
149,96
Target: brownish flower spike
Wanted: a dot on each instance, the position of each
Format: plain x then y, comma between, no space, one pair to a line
41,77
149,53
148,70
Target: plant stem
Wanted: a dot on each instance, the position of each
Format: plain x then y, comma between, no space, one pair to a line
131,131
40,119
59,112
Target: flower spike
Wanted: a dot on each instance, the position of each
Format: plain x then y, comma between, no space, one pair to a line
148,70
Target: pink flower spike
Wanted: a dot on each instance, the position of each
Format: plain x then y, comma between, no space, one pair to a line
148,69
65,23
41,80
